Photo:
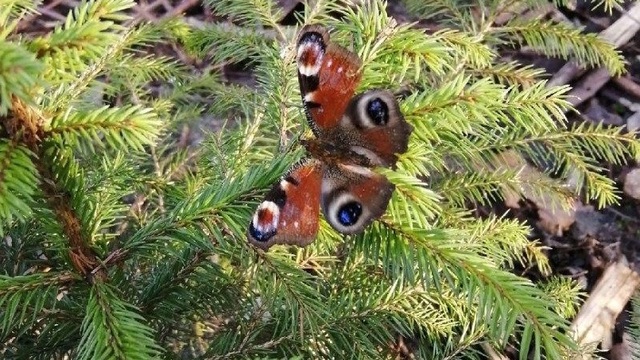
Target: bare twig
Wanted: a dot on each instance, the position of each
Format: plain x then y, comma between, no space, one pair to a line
628,85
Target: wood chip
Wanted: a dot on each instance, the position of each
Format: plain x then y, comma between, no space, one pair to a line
597,317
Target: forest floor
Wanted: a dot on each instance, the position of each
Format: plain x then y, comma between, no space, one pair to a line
595,246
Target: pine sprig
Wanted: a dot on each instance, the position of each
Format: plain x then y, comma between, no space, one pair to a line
24,298
82,37
18,182
129,127
113,329
19,72
561,40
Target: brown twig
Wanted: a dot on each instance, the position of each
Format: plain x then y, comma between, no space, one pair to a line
628,85
25,127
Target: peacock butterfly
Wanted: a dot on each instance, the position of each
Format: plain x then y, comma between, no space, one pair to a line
353,134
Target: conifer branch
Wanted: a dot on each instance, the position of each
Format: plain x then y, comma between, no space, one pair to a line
19,72
11,12
23,298
227,44
255,12
18,182
561,40
129,127
510,74
609,5
468,48
113,329
633,328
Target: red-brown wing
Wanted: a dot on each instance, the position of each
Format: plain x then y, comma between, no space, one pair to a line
328,75
375,127
354,196
289,212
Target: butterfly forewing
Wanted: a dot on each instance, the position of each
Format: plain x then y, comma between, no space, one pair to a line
289,212
328,75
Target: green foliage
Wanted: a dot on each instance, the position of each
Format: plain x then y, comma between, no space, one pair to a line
119,242
19,181
561,40
633,329
552,39
18,73
113,329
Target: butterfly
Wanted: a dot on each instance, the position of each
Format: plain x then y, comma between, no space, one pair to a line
353,134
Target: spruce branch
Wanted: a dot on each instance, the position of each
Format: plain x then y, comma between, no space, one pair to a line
128,127
451,11
250,12
11,11
633,328
19,74
608,5
115,202
180,284
24,298
562,40
362,299
18,182
143,69
564,292
511,74
507,240
469,48
227,44
85,36
113,328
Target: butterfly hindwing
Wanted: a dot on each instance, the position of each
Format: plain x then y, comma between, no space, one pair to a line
289,212
354,196
376,127
328,75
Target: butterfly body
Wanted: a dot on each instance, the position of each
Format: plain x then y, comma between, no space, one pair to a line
354,134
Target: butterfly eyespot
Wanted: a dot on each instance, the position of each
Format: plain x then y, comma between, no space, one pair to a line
344,211
264,224
311,37
261,236
378,111
349,213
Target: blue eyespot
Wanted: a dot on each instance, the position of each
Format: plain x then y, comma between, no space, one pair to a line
259,235
349,213
378,111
